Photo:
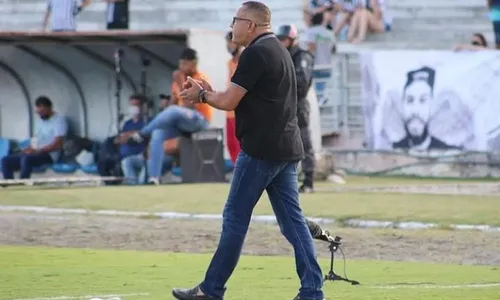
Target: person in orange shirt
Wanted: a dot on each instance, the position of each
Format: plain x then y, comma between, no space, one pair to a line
178,118
233,145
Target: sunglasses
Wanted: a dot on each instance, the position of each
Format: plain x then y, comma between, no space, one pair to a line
247,20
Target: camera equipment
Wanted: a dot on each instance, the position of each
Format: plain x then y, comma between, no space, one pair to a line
332,276
118,71
145,64
202,156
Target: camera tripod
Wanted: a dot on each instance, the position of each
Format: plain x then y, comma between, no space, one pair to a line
332,276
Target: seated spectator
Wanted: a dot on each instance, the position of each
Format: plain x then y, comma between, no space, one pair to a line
372,17
164,101
51,129
321,43
346,9
132,154
325,7
62,14
178,118
477,43
494,7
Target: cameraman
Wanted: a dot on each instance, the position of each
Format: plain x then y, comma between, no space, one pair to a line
303,61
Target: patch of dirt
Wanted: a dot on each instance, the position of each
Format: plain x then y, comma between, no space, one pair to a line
458,247
478,189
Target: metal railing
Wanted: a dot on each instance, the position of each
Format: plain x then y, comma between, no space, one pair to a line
341,108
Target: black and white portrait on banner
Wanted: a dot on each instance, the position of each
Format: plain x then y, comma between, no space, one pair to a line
431,100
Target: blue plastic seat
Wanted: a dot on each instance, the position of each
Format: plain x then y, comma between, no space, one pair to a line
177,171
228,165
4,148
90,169
65,168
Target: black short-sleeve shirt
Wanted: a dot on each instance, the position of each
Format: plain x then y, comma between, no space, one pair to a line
266,117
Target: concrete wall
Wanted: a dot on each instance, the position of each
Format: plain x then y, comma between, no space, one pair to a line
417,23
147,14
12,105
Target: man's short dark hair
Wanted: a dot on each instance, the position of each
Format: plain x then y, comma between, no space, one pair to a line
317,19
189,54
43,101
165,97
138,97
260,10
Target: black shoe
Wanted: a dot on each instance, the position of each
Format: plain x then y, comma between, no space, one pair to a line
191,294
299,298
306,189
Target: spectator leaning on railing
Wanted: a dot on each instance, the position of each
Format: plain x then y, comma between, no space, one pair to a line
62,14
321,43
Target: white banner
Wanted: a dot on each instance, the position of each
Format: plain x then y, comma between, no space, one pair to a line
432,100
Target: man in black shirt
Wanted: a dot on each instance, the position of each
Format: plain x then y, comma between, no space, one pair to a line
264,96
117,14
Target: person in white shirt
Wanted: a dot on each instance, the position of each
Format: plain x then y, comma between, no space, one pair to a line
374,17
321,43
62,13
46,146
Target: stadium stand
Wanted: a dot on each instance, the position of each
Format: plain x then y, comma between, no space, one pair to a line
417,24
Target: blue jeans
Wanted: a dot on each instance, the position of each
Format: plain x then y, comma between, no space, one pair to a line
23,162
169,124
133,169
496,29
321,74
250,178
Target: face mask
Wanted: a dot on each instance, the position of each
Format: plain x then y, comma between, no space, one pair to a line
44,117
231,51
134,110
475,43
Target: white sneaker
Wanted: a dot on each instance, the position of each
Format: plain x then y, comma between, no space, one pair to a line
136,137
154,180
336,178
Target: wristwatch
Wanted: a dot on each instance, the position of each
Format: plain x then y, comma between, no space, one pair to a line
202,96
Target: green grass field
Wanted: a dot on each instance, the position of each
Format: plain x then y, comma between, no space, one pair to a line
209,198
37,273
49,272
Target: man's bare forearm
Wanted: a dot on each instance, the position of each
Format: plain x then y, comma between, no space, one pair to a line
219,100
